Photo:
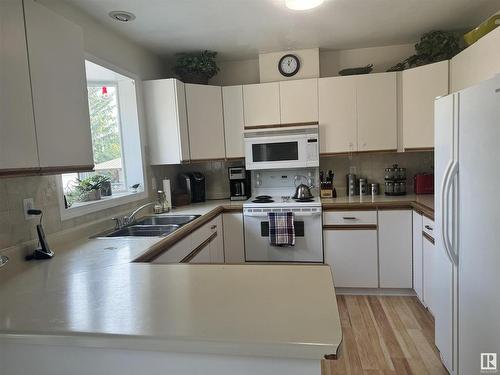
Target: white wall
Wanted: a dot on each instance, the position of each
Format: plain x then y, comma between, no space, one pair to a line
330,62
109,46
237,73
382,58
309,65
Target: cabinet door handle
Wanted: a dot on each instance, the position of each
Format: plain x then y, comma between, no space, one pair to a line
428,227
213,227
349,218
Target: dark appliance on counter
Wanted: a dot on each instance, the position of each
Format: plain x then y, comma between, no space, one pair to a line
239,183
423,183
195,185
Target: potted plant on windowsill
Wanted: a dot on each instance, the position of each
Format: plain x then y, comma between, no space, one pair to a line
89,189
196,67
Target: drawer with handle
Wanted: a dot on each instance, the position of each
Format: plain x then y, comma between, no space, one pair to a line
203,233
350,218
428,226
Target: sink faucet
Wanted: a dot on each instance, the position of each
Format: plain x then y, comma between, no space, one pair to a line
130,219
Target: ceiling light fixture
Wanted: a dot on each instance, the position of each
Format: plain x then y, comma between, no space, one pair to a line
122,16
302,4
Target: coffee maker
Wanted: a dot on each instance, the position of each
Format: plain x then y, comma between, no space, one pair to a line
194,185
239,183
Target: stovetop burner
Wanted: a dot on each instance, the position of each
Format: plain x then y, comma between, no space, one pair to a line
263,197
263,200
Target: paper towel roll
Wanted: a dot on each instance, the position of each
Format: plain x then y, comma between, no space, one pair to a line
168,192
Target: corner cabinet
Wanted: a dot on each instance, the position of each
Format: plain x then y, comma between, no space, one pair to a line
234,238
376,104
477,63
420,87
45,125
395,248
205,122
234,121
165,107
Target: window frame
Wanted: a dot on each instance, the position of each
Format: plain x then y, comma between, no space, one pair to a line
120,198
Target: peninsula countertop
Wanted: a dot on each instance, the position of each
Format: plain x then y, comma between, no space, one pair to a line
93,294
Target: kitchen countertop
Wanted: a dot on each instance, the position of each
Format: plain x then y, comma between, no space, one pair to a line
93,293
421,203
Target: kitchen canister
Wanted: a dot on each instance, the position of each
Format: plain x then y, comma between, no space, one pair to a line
374,188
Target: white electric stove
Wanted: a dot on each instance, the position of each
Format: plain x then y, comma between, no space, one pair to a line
272,191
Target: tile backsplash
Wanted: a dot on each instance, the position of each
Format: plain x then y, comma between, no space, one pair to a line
14,229
215,171
372,166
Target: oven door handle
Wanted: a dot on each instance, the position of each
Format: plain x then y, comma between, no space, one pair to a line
296,214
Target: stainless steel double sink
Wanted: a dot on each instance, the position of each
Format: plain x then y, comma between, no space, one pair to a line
152,226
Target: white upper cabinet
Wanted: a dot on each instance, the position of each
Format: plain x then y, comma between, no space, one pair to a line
420,86
262,104
477,63
59,89
205,122
337,115
18,149
165,106
234,121
299,101
377,111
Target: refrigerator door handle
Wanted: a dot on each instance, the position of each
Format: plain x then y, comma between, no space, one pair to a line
453,250
451,170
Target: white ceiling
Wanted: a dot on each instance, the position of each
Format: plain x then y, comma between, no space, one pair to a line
240,29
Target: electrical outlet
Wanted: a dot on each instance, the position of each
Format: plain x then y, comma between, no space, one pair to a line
352,170
28,204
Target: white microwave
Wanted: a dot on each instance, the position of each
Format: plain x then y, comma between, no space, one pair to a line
277,148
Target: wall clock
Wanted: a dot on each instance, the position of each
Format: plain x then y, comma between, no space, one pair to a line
289,65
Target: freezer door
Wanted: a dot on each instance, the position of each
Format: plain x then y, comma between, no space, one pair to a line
479,227
442,269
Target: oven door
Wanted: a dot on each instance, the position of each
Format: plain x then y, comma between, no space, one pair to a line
308,237
276,152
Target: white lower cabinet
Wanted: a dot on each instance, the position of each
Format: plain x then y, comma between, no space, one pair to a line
176,253
418,256
428,250
207,241
217,242
352,256
395,248
203,256
234,238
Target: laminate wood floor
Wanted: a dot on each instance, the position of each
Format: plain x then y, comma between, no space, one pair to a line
385,335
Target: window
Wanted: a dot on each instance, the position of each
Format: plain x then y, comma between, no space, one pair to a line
114,124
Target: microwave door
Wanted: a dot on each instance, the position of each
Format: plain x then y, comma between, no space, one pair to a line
275,152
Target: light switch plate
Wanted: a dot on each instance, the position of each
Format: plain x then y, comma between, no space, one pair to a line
28,204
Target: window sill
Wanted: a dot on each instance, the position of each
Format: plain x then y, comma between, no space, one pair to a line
84,208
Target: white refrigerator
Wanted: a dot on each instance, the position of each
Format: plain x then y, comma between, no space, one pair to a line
467,234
